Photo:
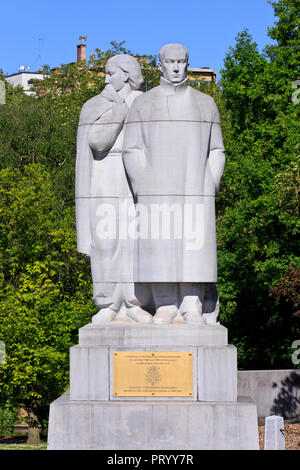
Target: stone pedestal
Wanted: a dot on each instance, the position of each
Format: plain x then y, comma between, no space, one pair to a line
90,416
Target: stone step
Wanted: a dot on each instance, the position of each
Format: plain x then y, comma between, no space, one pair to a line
133,334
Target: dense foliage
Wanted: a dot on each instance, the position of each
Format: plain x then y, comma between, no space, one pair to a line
45,286
258,221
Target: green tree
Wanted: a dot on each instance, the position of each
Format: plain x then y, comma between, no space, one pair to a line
45,291
258,218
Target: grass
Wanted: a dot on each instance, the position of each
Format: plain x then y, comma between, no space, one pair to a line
18,442
41,446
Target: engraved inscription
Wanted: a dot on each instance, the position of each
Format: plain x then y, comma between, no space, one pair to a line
137,373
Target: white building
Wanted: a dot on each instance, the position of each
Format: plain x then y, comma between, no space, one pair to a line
24,79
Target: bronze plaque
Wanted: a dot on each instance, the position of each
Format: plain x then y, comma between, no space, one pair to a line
152,374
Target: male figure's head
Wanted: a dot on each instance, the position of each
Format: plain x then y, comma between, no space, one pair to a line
173,62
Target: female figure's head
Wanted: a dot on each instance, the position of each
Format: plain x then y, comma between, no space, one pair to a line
121,69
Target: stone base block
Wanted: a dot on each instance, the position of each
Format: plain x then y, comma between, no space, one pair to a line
96,425
135,334
217,373
214,372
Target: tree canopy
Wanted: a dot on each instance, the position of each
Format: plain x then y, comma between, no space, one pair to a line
258,224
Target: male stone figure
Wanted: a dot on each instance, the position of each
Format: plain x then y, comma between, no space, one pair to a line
101,185
174,158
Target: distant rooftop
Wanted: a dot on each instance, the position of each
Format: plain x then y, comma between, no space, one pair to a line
204,73
24,78
25,71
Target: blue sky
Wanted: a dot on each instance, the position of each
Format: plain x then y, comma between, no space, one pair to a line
206,27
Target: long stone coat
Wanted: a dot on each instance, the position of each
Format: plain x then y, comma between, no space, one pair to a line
101,182
170,133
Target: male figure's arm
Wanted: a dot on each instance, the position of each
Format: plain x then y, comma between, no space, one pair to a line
216,159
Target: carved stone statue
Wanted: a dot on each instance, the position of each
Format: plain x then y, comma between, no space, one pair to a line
101,185
174,157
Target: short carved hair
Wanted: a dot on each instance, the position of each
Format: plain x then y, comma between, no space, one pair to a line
172,46
130,65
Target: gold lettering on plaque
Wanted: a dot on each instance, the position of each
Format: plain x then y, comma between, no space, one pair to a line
146,374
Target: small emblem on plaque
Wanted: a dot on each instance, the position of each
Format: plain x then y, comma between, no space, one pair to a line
153,376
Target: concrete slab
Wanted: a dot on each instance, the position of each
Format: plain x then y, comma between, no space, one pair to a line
217,373
96,425
130,334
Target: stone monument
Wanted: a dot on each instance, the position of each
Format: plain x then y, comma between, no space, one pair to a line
153,370
274,433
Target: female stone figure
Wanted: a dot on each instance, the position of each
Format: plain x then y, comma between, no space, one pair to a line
102,190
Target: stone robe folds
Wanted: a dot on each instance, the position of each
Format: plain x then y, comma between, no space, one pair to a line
171,132
101,188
